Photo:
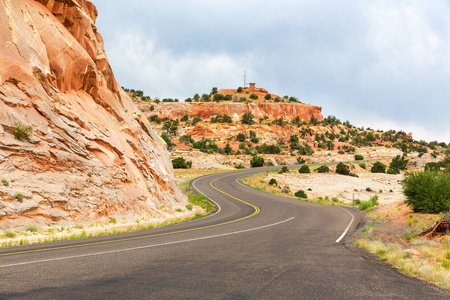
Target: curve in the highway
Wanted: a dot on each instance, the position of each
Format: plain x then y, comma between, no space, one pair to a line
257,245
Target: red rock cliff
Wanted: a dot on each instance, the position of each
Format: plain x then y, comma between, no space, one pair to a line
89,154
287,111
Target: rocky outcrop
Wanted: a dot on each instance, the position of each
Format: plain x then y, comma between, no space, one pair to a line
89,154
287,111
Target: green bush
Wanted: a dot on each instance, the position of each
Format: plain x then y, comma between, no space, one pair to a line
378,167
247,118
362,165
268,97
20,131
342,169
189,207
5,182
363,205
20,197
359,157
181,163
323,169
241,137
273,181
253,96
239,90
239,166
32,228
284,169
427,192
432,166
304,169
398,163
257,161
301,194
300,160
196,120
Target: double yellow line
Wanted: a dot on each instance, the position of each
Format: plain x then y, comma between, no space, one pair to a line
257,210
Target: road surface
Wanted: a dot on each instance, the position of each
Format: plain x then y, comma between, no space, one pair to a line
257,246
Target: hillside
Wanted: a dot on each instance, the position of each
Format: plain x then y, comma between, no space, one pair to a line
72,147
212,130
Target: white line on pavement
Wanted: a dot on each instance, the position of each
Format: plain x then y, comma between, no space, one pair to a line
144,247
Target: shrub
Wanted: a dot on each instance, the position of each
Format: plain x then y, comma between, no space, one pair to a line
196,120
284,169
342,169
359,157
239,166
247,118
304,169
392,171
181,163
301,194
363,205
20,131
32,228
427,192
20,197
268,97
239,90
189,207
10,234
253,96
378,167
241,137
432,166
257,161
300,160
5,182
273,181
398,163
362,165
323,169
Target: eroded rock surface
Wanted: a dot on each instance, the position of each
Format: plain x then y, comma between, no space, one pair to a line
90,153
204,110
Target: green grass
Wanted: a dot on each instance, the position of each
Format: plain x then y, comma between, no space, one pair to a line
32,228
363,205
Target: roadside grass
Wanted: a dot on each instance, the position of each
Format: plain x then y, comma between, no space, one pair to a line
12,239
393,238
83,234
258,182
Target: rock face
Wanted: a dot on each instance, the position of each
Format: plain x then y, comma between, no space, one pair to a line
287,111
90,153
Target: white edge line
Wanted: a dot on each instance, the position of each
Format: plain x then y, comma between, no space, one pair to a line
220,208
348,227
144,247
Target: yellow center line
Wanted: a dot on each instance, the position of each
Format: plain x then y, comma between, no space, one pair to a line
257,210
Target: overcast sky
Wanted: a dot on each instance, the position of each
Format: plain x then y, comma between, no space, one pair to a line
378,64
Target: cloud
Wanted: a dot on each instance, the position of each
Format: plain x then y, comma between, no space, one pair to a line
387,59
140,63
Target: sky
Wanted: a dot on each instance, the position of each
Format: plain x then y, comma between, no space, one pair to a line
379,64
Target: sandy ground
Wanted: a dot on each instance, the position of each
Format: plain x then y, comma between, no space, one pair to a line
387,187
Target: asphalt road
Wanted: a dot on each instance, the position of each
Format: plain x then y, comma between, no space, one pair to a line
257,246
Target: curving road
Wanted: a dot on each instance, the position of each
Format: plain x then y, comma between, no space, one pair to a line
257,246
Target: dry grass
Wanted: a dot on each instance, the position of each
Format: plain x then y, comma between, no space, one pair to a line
392,236
260,182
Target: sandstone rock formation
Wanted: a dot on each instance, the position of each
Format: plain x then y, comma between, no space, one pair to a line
90,153
287,111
